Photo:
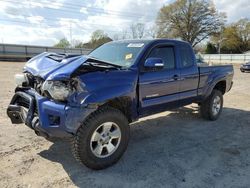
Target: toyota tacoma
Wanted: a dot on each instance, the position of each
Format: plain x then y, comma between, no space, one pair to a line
93,98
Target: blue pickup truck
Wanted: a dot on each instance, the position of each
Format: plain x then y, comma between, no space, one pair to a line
92,99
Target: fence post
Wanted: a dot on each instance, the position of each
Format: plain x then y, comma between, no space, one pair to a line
26,51
3,49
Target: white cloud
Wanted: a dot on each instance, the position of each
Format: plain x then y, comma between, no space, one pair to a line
35,19
56,4
119,15
84,10
235,10
45,26
33,4
26,35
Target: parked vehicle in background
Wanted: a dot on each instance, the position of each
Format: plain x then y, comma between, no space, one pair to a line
92,99
245,67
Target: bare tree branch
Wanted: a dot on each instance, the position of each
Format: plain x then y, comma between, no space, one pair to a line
190,20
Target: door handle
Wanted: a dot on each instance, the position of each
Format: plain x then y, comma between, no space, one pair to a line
175,77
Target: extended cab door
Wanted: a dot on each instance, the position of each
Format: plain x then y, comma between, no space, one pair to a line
159,89
189,75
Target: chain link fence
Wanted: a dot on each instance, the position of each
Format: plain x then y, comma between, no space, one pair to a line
226,58
24,52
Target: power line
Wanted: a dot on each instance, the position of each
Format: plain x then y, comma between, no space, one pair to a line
49,22
48,25
26,16
48,18
52,26
72,10
115,11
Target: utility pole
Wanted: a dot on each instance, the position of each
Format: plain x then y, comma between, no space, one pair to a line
2,40
70,33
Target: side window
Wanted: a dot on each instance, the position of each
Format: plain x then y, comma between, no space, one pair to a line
186,57
166,54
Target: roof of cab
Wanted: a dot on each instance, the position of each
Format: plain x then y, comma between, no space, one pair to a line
150,41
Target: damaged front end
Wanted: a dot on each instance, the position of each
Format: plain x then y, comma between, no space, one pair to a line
47,99
46,116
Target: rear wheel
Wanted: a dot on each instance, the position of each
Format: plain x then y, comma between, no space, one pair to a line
211,108
102,138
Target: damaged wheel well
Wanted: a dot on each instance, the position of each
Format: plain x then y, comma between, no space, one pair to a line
221,86
123,104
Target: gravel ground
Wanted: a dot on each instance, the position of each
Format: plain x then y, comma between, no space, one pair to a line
170,149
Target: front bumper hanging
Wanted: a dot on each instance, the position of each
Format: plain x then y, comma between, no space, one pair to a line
46,117
21,109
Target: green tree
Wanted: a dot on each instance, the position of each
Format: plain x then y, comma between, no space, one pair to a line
190,20
98,34
137,30
63,43
234,38
243,31
98,38
232,41
79,45
211,49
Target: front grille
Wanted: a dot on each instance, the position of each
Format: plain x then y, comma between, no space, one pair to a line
35,82
38,82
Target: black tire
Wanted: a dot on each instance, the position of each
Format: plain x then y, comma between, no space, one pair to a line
81,147
206,107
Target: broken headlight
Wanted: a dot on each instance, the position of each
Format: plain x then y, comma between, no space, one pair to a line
21,79
58,90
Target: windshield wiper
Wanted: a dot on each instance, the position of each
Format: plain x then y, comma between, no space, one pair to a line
93,65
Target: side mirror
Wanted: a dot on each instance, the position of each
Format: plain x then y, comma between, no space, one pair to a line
154,63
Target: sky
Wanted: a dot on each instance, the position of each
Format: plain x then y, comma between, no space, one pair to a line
45,22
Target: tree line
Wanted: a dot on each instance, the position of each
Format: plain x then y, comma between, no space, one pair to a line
195,21
99,37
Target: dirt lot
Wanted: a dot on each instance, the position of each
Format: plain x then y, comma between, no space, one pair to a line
171,149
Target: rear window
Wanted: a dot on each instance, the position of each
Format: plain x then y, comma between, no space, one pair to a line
186,57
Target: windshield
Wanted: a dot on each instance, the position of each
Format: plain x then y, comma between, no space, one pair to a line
119,53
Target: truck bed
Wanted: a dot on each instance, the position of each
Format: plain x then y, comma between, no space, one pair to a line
210,74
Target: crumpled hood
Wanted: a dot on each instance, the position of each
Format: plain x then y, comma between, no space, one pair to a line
49,69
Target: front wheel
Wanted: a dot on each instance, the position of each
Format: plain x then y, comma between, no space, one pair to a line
211,108
102,138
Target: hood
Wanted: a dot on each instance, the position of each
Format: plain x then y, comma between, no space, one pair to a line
51,66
